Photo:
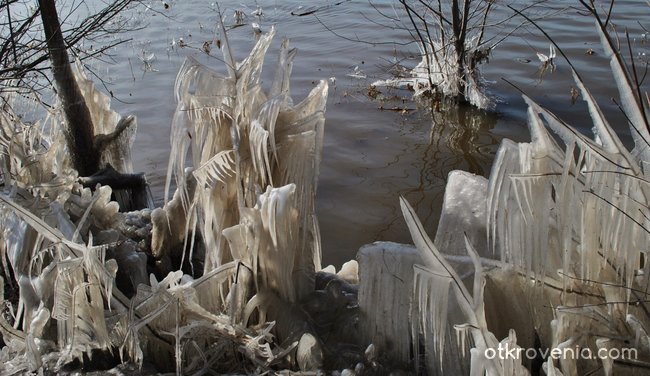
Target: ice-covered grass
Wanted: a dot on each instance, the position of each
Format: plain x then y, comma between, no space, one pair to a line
223,276
246,206
567,229
438,72
451,37
255,157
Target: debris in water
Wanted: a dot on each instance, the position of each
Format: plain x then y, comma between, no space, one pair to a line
256,28
259,13
575,94
373,92
239,17
357,73
547,61
302,11
207,46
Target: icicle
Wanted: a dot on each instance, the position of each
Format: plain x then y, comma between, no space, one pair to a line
117,152
463,210
385,273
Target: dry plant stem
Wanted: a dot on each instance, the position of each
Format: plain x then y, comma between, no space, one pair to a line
603,26
450,36
75,249
423,41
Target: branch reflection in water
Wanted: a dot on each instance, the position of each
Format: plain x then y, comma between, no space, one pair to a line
411,159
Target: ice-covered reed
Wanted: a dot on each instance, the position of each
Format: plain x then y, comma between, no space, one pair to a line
567,229
247,203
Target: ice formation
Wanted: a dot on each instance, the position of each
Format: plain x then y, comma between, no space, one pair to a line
567,230
463,207
553,245
242,222
438,72
255,159
386,270
115,146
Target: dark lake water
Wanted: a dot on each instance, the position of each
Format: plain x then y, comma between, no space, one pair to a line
371,155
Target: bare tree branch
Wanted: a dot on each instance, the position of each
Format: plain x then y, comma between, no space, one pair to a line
24,54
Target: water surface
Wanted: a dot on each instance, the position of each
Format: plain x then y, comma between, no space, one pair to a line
375,150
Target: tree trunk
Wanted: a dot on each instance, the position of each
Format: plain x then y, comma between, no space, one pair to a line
79,131
459,26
